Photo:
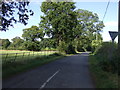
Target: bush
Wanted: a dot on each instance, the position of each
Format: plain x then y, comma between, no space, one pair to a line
70,49
102,79
62,47
108,57
67,48
106,48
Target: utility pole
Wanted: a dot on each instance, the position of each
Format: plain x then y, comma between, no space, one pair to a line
119,25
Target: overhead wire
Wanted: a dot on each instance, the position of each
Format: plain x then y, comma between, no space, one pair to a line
106,10
104,16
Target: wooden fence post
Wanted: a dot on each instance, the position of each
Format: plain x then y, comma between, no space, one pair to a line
29,54
33,53
15,56
23,54
6,57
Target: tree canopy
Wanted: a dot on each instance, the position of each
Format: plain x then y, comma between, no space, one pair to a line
88,28
59,20
33,33
31,36
4,43
10,11
17,43
69,27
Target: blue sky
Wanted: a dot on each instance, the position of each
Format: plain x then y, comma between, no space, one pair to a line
110,21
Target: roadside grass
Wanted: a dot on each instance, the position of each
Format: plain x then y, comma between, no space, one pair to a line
102,79
14,68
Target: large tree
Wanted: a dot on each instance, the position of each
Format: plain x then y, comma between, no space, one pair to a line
59,20
88,28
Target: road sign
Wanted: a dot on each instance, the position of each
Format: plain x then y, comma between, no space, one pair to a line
113,35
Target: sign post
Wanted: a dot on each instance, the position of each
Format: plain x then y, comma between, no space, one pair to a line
119,26
113,35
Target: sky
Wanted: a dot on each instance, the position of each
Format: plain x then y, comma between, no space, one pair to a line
99,7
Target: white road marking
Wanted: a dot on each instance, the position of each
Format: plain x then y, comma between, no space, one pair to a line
44,84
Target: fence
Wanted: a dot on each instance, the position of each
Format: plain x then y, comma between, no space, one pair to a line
24,56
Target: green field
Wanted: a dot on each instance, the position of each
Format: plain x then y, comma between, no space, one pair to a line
21,56
12,51
20,51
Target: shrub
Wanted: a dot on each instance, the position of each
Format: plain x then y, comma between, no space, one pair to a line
108,57
106,48
67,48
70,49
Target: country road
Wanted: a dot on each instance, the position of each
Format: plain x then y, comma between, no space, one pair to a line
68,72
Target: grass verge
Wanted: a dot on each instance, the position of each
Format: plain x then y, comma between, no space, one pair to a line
102,78
18,67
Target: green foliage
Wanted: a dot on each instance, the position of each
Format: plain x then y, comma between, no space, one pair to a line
67,48
59,21
89,21
88,30
17,44
48,43
32,46
31,36
106,49
70,49
62,47
95,45
4,43
65,25
11,10
108,57
102,78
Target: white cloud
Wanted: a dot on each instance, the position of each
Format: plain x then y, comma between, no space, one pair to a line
109,26
111,23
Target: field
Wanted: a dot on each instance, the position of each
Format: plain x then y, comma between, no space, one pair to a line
20,56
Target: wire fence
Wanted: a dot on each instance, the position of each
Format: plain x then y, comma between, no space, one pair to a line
23,56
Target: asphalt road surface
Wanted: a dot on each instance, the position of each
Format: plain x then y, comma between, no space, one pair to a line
68,72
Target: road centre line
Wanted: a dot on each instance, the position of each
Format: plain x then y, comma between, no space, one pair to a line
44,84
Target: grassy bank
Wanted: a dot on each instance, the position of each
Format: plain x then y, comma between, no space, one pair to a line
14,68
102,79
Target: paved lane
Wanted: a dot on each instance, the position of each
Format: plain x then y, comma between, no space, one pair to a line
69,72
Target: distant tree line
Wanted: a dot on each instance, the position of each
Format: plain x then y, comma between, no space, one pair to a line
18,43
